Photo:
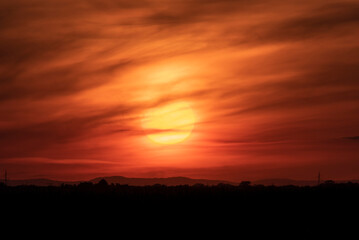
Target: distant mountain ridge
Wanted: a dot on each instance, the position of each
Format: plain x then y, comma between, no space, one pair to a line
286,182
170,181
39,182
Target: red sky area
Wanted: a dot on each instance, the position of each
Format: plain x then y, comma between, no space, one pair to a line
274,85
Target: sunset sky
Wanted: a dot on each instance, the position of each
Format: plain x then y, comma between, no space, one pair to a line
272,87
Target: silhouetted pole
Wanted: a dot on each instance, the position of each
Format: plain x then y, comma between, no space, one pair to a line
5,179
319,178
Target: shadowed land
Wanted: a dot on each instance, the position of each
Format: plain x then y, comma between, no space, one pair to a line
188,203
223,195
169,181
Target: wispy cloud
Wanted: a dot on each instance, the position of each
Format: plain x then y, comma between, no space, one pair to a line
268,80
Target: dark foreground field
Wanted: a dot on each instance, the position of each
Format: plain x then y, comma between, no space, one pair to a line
199,207
221,208
243,197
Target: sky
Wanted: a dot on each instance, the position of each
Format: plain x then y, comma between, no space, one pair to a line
273,85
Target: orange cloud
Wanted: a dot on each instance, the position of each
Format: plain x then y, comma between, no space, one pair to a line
274,85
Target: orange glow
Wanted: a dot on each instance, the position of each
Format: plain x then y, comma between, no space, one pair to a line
235,90
170,124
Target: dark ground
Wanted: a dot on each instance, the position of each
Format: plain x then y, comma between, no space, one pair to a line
183,206
165,198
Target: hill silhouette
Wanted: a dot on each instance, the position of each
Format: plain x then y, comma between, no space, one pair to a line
170,181
181,200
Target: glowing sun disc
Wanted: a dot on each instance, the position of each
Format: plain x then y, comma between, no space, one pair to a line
170,124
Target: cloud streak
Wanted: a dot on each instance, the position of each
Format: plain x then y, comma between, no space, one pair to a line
272,83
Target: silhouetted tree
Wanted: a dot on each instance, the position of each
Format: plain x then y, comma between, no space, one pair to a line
85,185
245,183
198,185
329,182
102,183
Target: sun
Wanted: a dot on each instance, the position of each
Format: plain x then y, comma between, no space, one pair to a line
169,124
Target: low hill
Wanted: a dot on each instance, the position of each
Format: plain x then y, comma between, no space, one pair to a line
170,181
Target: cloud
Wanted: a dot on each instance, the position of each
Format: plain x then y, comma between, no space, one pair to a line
62,81
31,138
76,77
355,138
176,13
325,20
